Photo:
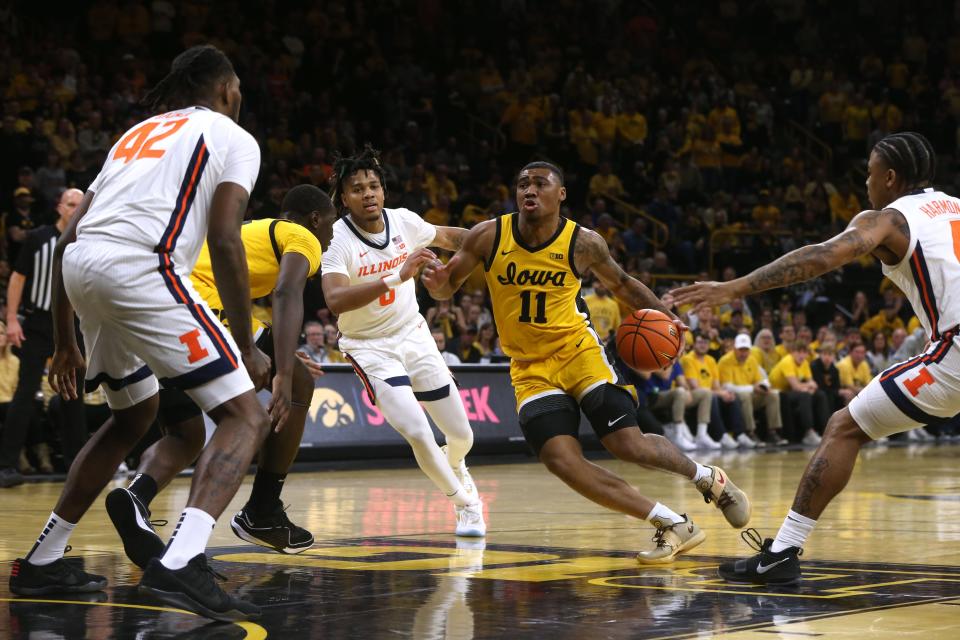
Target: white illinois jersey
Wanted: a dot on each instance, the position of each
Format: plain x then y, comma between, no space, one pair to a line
158,180
930,271
359,257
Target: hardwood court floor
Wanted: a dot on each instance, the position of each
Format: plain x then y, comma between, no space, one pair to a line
884,561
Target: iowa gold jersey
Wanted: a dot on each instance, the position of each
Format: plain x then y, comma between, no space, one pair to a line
535,291
265,242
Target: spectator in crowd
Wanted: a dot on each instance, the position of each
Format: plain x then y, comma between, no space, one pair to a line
854,372
804,406
886,321
18,222
313,347
825,374
741,374
446,318
879,356
700,370
765,351
667,389
441,340
9,373
604,311
331,338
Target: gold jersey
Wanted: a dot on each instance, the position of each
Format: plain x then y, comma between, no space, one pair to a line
535,291
265,242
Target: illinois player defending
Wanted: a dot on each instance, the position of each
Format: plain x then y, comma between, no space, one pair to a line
171,182
534,260
281,255
914,231
367,283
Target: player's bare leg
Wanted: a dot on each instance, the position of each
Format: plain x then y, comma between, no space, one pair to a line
826,475
563,456
263,519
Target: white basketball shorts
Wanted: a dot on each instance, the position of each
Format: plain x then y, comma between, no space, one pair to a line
405,358
924,390
142,321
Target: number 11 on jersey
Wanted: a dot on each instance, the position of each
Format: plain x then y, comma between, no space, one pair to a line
541,300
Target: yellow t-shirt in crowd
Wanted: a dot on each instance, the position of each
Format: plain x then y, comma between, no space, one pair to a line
9,375
604,314
786,368
704,371
851,375
732,371
766,360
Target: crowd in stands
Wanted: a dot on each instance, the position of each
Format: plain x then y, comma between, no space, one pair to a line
700,139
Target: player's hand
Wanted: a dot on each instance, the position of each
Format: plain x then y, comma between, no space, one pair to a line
258,366
279,407
434,277
63,371
701,294
416,260
315,369
15,332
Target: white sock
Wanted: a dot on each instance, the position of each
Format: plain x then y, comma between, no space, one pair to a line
793,532
701,472
52,541
702,430
189,539
661,513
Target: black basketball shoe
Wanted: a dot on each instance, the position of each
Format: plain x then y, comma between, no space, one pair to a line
60,576
273,530
781,568
194,588
131,519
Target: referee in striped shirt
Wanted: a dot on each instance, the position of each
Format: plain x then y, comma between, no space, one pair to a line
30,290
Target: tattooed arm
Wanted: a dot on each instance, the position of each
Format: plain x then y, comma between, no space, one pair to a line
474,247
449,238
869,231
592,253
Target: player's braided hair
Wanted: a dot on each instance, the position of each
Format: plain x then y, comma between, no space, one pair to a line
191,78
346,166
911,156
303,200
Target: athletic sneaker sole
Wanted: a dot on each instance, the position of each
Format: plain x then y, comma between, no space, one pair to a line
245,535
90,587
185,602
140,544
734,579
471,533
686,546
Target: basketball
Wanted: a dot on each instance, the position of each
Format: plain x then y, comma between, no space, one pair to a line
648,340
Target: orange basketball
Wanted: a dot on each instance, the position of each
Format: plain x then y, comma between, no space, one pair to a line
648,340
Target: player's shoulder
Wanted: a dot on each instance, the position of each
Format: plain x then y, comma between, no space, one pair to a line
221,130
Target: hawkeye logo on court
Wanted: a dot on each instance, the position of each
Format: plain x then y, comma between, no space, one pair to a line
536,277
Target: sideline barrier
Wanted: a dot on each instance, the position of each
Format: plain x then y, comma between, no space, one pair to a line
342,417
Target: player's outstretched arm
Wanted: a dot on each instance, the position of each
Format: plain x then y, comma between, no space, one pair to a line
592,253
867,231
442,281
449,238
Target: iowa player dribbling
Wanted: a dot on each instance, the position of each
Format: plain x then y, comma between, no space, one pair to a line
534,260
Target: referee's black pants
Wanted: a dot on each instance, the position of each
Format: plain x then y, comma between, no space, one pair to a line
34,352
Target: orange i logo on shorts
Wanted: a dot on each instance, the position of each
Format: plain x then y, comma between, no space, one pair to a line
192,340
